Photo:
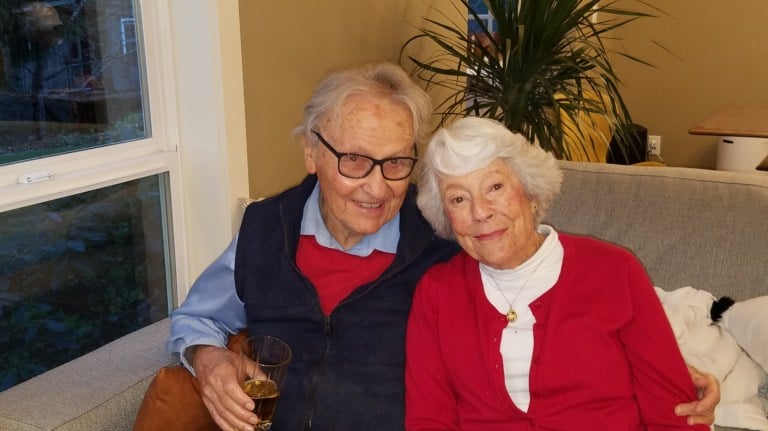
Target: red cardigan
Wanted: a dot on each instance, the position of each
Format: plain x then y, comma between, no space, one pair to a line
604,355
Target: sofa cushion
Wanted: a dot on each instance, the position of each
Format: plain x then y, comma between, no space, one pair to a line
99,391
689,227
173,400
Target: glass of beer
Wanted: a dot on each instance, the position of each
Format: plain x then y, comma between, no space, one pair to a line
263,363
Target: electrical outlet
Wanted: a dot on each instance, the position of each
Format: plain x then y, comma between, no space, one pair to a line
654,145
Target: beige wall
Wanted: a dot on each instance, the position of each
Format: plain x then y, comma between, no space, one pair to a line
719,55
287,46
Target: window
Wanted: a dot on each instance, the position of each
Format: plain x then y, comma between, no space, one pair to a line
88,263
482,11
78,272
175,220
71,78
89,178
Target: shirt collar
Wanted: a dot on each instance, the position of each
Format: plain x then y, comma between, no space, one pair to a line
385,239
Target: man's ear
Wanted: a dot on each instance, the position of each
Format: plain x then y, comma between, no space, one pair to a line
309,156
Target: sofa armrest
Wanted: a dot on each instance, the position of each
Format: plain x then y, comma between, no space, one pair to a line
101,390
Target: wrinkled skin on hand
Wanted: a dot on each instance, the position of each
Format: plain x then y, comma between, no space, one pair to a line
229,406
703,410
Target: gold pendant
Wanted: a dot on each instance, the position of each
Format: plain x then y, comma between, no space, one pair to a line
511,315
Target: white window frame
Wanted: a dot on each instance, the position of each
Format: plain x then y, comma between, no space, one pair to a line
195,93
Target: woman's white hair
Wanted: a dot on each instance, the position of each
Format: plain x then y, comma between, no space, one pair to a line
472,143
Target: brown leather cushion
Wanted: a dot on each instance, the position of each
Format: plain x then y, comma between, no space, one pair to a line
173,401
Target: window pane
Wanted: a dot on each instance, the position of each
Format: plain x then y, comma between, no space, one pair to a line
79,272
480,7
70,77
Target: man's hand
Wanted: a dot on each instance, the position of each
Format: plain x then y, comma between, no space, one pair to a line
230,407
703,410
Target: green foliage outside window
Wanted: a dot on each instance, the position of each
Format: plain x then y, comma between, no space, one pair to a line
77,273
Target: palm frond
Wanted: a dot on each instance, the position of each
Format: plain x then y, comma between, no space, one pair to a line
543,71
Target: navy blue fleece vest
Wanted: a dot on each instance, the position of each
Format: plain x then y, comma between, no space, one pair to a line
348,369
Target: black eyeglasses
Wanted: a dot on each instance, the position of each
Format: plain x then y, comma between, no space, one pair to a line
358,166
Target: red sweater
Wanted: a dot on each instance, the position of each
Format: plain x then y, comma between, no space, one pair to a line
336,274
604,355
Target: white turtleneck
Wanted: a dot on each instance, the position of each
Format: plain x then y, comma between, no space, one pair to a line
520,286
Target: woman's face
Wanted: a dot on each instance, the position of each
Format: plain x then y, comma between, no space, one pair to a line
491,215
370,126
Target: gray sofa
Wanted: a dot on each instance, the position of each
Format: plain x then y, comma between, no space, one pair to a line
690,227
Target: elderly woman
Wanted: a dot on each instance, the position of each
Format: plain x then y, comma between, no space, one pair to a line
529,328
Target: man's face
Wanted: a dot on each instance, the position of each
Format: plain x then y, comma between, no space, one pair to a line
369,126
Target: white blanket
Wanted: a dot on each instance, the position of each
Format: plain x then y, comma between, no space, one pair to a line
712,348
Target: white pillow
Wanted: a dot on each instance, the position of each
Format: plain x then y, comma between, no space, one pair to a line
715,349
688,312
740,405
747,321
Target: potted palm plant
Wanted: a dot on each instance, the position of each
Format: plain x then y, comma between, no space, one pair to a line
542,68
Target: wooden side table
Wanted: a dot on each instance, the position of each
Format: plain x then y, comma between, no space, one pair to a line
743,130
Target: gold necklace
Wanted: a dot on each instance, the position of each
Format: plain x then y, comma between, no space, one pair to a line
511,313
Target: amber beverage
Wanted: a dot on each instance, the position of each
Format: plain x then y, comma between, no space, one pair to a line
264,394
263,364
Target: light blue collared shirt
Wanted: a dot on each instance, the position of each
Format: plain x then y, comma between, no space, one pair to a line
212,309
312,224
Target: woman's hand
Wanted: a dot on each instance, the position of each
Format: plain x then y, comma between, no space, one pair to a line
230,407
703,410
